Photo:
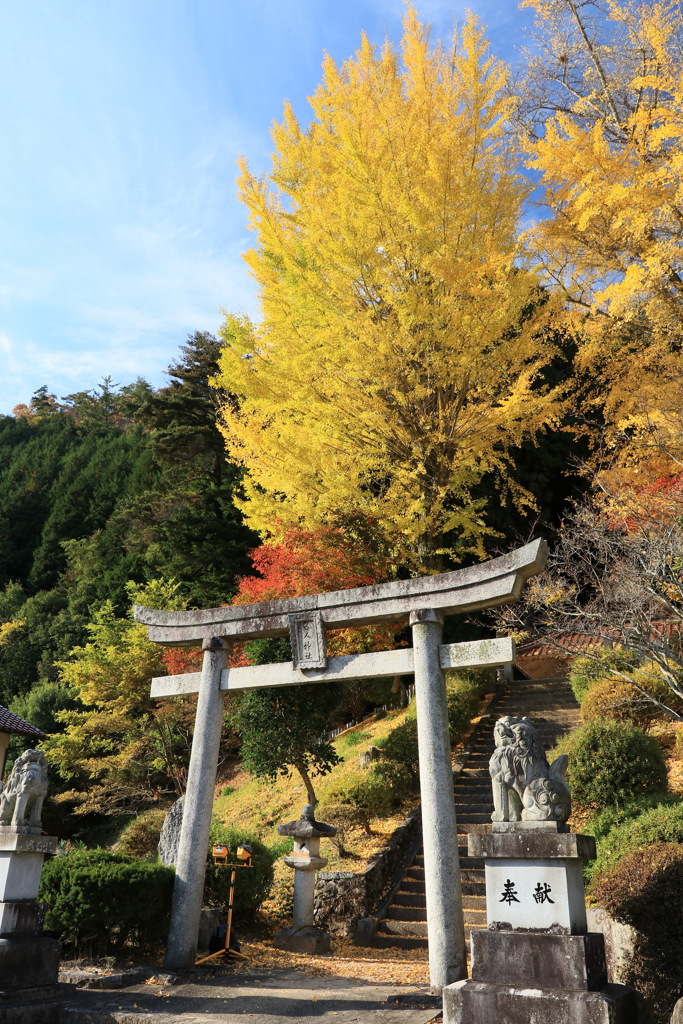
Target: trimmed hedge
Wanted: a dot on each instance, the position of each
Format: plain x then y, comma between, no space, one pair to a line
612,763
463,697
646,891
584,673
252,885
623,701
602,822
399,766
98,901
660,824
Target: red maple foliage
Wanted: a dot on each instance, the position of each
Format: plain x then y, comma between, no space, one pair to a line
660,501
182,659
308,562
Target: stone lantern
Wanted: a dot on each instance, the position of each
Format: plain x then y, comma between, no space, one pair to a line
303,936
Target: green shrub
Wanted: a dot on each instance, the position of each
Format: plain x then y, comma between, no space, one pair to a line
141,837
399,767
252,885
227,790
463,696
611,763
602,822
660,824
623,701
353,739
100,900
586,672
357,803
645,891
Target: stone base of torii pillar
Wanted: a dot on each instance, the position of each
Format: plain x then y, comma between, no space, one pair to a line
536,963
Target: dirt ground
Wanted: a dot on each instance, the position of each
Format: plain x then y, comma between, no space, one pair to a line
388,966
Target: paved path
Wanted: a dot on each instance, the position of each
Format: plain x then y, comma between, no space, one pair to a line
259,997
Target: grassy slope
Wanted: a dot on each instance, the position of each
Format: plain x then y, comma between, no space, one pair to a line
259,807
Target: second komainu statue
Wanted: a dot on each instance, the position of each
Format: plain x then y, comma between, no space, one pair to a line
525,786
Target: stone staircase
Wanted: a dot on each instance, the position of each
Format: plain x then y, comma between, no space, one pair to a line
551,706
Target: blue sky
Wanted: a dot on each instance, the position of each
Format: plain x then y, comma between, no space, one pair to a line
122,121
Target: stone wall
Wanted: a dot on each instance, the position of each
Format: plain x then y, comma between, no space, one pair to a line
342,897
619,940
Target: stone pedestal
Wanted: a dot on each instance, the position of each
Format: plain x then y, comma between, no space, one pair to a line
303,936
536,963
28,960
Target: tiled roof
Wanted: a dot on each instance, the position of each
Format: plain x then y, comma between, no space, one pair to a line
564,646
12,723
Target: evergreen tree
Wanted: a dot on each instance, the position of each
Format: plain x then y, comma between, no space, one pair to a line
187,526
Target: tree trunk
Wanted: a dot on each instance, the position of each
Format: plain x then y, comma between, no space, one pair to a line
426,549
310,792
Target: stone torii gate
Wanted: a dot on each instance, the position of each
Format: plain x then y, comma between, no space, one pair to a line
422,603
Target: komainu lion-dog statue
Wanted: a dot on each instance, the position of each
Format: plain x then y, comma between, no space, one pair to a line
525,786
21,801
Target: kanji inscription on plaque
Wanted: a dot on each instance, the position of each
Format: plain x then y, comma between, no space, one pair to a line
535,895
308,640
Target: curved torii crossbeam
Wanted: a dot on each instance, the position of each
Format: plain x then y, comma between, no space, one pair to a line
422,603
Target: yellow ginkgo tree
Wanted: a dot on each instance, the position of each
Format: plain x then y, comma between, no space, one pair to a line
602,121
397,359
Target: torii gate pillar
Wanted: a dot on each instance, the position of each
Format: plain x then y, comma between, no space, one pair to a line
447,958
190,869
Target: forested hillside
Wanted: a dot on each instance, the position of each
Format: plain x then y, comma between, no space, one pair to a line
103,488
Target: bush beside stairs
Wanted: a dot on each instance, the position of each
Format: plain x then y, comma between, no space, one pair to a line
551,706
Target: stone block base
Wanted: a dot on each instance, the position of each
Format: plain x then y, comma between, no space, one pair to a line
209,919
313,941
527,960
21,917
475,1002
28,962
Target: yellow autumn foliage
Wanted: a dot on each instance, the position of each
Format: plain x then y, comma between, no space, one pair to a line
603,124
396,361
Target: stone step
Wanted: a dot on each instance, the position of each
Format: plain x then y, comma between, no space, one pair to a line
472,874
409,899
474,903
552,707
414,929
473,888
416,887
415,874
395,913
397,942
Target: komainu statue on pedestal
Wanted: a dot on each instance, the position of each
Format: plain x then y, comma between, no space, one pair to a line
525,786
21,801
